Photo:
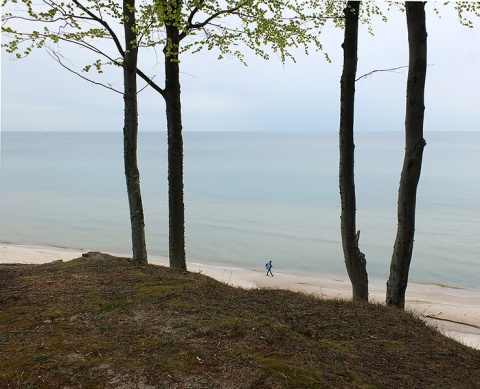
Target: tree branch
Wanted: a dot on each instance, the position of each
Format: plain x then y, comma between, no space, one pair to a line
380,70
147,79
198,26
192,14
104,24
57,57
150,82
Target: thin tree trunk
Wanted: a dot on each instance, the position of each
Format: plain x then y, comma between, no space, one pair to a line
354,259
175,150
130,135
412,164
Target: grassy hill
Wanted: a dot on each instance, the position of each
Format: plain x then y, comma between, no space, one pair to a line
103,322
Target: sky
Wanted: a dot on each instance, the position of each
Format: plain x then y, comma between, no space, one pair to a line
37,94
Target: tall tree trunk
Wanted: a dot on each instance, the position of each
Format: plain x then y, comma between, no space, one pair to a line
412,164
175,148
130,135
354,259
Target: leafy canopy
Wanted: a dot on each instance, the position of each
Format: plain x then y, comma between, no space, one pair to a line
203,24
225,26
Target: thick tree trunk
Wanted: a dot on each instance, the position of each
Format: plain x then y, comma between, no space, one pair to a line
354,258
175,151
412,164
130,135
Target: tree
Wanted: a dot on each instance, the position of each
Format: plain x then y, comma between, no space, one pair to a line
175,139
167,23
258,23
354,259
275,23
403,248
63,16
414,145
130,133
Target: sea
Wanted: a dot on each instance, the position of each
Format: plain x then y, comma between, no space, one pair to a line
250,197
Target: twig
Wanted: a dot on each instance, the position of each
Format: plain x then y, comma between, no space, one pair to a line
380,70
56,57
451,321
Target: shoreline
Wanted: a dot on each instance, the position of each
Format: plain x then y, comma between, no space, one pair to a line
453,311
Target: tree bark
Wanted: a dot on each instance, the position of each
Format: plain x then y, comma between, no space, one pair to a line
354,259
130,135
175,147
412,164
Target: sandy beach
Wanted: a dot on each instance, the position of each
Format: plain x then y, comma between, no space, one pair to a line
454,312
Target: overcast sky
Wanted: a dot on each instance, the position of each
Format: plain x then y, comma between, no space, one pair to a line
38,94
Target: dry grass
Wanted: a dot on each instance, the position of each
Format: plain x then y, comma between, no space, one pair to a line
103,322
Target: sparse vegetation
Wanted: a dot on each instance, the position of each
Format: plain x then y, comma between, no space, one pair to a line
101,321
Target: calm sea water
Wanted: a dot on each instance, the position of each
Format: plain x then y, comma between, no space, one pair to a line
249,197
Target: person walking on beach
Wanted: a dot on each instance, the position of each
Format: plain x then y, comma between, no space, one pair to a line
269,266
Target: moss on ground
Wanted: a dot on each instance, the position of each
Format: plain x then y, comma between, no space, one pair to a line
102,321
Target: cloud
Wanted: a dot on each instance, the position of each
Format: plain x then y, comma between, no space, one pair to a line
225,95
